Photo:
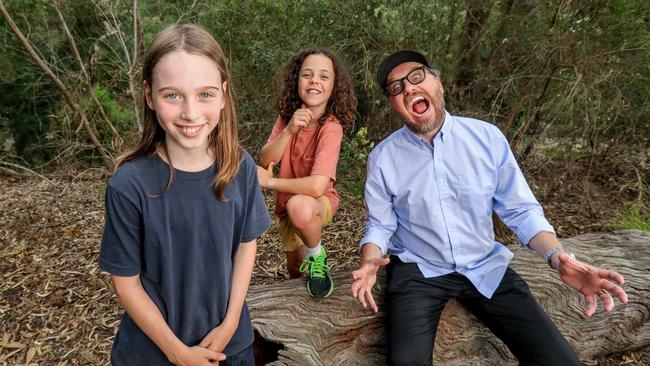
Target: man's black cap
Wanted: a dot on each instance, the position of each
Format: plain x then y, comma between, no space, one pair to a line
395,59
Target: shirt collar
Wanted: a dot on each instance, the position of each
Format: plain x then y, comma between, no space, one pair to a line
443,134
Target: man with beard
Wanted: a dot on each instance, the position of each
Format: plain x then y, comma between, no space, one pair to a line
431,189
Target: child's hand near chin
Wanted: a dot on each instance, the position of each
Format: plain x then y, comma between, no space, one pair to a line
300,119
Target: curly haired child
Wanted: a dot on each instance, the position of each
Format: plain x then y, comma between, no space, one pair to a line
316,104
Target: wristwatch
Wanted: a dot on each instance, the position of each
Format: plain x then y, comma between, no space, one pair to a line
550,252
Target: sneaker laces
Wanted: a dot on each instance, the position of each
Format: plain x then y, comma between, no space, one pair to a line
315,265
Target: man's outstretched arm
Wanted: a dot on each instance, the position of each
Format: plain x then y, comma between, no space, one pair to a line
590,281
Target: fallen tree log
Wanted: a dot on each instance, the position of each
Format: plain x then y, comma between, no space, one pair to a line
299,330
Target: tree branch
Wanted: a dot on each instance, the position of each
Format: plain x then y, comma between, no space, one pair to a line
15,173
132,66
66,93
91,90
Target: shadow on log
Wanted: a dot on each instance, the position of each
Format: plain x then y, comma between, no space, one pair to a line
295,329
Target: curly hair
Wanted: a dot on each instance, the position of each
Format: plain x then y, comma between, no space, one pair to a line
342,103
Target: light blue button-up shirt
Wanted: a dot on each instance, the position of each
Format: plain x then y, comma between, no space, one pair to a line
432,204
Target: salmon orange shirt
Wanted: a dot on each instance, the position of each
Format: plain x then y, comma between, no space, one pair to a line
310,151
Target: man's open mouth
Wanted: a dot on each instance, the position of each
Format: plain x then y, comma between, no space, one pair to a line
418,104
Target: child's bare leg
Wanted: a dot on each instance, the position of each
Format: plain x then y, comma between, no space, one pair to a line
306,214
294,259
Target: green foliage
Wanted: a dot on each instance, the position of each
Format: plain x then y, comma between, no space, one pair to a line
24,123
576,70
119,113
352,162
636,217
358,147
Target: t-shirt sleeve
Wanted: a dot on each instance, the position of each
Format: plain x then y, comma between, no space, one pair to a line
277,128
257,219
327,152
120,248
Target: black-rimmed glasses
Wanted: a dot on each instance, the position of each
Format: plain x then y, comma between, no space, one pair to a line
415,76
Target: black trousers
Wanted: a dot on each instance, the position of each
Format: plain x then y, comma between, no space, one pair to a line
512,314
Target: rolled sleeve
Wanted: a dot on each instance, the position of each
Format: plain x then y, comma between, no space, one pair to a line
531,226
375,236
381,220
514,201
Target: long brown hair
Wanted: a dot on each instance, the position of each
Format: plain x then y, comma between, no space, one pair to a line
342,103
223,141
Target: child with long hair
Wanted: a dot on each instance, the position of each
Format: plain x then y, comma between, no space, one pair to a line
316,104
183,212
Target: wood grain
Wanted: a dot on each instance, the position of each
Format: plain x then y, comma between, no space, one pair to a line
338,331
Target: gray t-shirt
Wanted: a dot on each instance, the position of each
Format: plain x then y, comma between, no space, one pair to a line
182,244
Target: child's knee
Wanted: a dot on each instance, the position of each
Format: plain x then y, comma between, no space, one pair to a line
302,210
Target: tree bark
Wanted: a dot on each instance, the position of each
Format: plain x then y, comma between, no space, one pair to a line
338,331
477,14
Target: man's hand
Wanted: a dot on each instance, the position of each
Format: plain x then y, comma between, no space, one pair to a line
198,356
364,279
265,175
591,282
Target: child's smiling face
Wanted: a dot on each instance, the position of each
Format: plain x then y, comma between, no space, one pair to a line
188,95
316,81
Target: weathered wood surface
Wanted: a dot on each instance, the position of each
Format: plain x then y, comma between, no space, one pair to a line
337,331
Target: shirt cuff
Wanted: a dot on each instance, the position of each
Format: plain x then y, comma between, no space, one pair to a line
119,270
377,238
531,227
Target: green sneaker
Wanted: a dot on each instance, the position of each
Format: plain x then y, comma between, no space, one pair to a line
319,282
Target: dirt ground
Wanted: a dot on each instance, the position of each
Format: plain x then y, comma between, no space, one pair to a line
57,308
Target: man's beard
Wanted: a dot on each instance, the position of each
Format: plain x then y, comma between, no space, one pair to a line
438,105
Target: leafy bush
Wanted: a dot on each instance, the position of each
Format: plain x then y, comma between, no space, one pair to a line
537,69
353,161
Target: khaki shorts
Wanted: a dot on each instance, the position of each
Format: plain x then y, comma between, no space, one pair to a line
289,234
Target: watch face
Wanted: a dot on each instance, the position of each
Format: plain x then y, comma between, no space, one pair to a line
549,254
